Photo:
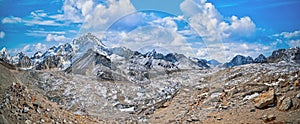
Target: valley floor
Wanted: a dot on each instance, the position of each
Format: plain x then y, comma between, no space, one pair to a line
253,93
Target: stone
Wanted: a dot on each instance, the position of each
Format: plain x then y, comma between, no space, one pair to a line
264,100
29,105
219,119
25,109
286,104
298,95
36,105
195,119
268,118
295,104
283,83
296,83
38,110
27,122
192,118
252,110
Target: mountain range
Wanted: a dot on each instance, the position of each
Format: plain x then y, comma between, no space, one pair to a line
63,56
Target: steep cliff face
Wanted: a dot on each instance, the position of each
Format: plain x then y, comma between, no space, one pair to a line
282,55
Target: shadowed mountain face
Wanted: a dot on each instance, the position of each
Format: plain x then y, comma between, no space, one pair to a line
260,59
291,55
87,82
239,60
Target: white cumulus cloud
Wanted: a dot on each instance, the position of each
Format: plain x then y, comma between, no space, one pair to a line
214,29
151,36
294,43
11,19
30,49
232,49
40,47
104,16
57,38
289,38
288,35
211,25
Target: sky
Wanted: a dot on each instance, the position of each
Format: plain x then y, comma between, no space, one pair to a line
208,29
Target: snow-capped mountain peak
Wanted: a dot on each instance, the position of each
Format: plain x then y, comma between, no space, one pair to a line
82,44
4,55
37,55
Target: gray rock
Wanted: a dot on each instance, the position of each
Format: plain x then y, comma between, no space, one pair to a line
286,104
25,109
268,118
298,95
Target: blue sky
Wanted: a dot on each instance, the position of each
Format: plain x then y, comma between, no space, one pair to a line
211,29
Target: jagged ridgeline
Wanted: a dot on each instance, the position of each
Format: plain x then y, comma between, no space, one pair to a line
63,56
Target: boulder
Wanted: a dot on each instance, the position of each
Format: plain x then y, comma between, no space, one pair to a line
265,99
298,95
296,84
268,118
286,104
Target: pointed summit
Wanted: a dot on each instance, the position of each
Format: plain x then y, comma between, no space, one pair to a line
4,55
151,53
86,42
95,39
260,59
3,50
239,60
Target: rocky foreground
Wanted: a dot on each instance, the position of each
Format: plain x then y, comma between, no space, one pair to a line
253,93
